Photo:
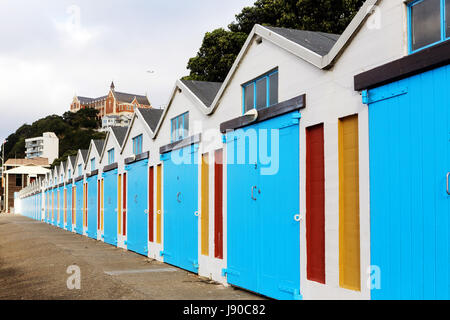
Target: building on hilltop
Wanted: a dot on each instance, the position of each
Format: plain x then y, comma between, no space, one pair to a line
114,103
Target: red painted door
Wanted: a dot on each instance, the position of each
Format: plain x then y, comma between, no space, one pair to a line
315,204
218,204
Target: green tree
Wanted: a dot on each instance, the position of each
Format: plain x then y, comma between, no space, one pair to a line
216,55
221,47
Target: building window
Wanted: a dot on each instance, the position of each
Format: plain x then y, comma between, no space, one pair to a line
69,174
137,144
111,156
18,180
429,23
261,92
80,171
92,164
179,127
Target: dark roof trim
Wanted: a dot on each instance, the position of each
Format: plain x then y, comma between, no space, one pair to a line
70,181
181,144
79,179
279,109
61,185
422,61
137,158
110,167
92,173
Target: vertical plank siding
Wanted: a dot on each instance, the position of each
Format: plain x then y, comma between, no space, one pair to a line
158,203
124,218
218,204
349,237
74,205
204,215
151,200
102,200
119,204
315,204
99,191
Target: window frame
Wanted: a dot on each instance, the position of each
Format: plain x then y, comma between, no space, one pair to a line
111,156
444,36
253,82
92,164
137,144
176,131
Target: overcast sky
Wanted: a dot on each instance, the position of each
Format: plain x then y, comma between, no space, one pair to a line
51,50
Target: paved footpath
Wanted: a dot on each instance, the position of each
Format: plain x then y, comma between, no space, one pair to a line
34,258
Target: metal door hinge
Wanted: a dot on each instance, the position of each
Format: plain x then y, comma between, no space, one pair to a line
231,272
294,291
194,263
369,98
296,116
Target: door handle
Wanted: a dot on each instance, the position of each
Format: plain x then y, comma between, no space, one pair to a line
298,218
196,213
448,191
158,212
253,188
178,197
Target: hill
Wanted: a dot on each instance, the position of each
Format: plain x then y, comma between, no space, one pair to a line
74,130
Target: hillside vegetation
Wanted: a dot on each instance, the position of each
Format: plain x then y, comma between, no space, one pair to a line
74,130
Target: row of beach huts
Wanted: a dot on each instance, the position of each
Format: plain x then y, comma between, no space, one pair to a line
317,170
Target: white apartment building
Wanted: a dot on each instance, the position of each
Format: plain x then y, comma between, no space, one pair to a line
46,146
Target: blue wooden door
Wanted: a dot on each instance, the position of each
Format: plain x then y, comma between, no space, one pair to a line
181,208
92,207
409,201
55,206
263,207
61,207
110,207
79,209
137,217
69,207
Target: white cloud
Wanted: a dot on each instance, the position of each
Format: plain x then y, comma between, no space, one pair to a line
52,49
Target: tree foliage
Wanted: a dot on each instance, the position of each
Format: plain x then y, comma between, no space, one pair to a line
216,55
221,47
74,130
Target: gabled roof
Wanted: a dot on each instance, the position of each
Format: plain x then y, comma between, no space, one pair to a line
63,166
129,97
116,133
83,154
318,42
201,93
119,133
99,145
84,100
320,49
151,117
72,159
204,90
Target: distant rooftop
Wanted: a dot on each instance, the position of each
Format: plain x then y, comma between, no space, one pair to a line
27,162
